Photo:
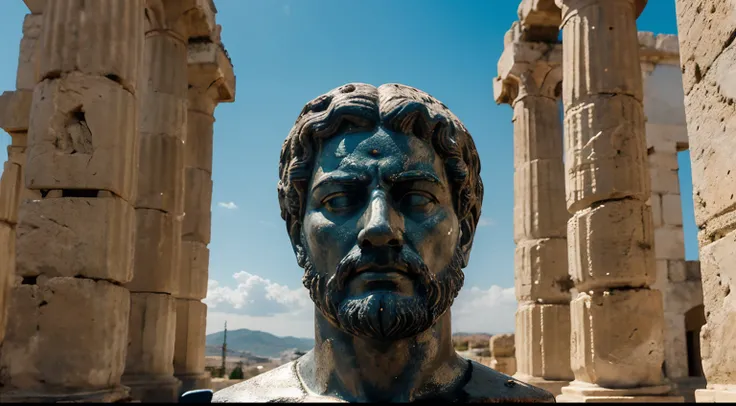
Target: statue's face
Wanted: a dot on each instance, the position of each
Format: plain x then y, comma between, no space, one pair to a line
381,235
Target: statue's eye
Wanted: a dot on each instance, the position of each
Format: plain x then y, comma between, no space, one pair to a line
417,201
338,202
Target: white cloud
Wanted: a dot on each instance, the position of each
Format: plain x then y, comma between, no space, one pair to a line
486,222
257,303
228,205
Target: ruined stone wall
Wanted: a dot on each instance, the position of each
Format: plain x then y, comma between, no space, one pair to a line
707,54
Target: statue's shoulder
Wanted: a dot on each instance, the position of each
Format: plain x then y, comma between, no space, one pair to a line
279,385
490,386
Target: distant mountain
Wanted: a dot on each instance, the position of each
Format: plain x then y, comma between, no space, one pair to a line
258,342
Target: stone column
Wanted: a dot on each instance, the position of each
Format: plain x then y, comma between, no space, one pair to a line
211,81
530,75
159,206
68,317
617,321
707,52
15,109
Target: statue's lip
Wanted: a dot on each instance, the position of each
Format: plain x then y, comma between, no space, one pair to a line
398,268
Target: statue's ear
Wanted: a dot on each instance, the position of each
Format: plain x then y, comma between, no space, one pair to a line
467,233
297,244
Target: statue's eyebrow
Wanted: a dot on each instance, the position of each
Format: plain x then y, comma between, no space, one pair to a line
340,178
414,176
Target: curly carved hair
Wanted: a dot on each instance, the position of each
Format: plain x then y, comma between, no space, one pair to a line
359,107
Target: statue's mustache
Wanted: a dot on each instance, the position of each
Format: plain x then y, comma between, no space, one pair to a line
358,260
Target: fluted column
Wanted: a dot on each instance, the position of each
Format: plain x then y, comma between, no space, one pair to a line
68,319
706,52
530,75
617,320
211,81
15,109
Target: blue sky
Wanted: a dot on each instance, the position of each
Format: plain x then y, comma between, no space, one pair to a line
285,53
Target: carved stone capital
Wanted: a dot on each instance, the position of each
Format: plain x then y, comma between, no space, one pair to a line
540,20
567,5
183,18
528,68
35,6
211,76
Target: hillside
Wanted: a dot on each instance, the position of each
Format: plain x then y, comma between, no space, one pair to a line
257,343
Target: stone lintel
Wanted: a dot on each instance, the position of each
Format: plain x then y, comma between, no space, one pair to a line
540,20
210,68
15,110
528,67
35,6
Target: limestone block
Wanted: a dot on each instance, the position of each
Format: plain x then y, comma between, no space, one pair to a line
209,65
672,209
190,336
693,270
76,237
541,19
711,125
669,243
605,156
543,341
160,173
10,189
663,161
675,346
664,181
7,271
718,335
75,325
194,270
539,200
82,135
704,30
166,65
537,130
151,334
591,27
502,345
28,57
197,202
655,201
157,250
676,271
163,115
504,365
541,271
102,38
200,131
611,245
15,110
720,394
616,338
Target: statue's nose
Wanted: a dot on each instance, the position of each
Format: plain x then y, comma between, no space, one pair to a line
382,225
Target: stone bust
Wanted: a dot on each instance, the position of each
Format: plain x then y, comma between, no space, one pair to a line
381,192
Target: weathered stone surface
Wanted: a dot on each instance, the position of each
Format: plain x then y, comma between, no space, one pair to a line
197,202
190,337
157,250
672,209
669,243
539,200
504,365
82,135
28,57
10,189
163,115
76,237
720,394
676,271
617,338
211,77
537,130
540,20
611,246
15,110
151,334
541,271
189,18
543,341
718,335
502,345
161,174
655,202
605,156
592,27
200,136
7,271
193,271
116,27
664,181
35,6
75,325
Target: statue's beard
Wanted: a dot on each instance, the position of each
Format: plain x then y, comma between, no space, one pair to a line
382,315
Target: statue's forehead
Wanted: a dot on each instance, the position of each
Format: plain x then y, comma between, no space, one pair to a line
387,148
